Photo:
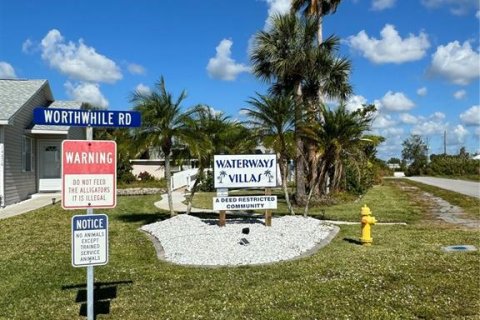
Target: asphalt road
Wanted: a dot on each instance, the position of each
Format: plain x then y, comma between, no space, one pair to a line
469,188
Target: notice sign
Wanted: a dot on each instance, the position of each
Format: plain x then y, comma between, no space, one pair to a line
245,203
89,174
89,240
245,171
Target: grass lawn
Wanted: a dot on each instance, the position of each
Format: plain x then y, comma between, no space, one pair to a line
386,202
404,275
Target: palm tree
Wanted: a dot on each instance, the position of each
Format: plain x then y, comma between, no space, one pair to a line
317,9
339,135
207,132
287,56
282,56
162,122
272,118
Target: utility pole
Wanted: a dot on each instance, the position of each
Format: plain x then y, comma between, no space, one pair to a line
445,142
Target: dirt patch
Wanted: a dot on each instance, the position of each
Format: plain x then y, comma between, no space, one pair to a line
449,213
439,209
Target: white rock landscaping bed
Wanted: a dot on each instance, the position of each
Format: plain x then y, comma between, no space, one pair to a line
189,240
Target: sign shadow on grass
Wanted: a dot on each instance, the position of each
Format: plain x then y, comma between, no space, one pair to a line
353,241
143,218
103,293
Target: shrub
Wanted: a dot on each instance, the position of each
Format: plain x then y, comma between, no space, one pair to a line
207,183
145,176
126,177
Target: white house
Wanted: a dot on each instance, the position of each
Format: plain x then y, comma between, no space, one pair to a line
30,155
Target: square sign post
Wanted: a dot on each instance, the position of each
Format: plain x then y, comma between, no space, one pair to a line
89,180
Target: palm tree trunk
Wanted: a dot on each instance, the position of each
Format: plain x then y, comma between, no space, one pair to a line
314,185
300,193
284,170
194,189
320,30
168,177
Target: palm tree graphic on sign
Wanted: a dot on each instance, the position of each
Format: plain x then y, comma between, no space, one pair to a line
268,173
221,176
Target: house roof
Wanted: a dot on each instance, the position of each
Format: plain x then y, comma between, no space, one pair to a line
15,93
73,105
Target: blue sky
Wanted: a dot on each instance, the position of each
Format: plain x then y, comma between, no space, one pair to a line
417,60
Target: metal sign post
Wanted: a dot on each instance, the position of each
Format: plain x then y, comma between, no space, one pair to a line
95,167
90,272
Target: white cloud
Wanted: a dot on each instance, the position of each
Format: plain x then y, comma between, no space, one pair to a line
430,125
28,46
391,48
437,116
408,118
471,117
144,89
78,61
7,71
379,5
457,63
396,101
86,92
457,7
134,68
460,94
276,7
477,14
422,91
383,121
355,102
459,135
393,132
222,66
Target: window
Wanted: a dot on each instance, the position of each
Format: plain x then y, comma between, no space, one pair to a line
27,154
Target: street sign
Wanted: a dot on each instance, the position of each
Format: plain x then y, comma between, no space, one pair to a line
245,203
89,174
86,118
89,240
245,171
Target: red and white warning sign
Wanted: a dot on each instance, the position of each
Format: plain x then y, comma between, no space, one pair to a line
89,174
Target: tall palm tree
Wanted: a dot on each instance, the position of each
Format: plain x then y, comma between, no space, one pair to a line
282,56
287,57
317,9
162,121
273,119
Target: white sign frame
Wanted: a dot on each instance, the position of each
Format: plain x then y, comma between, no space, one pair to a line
86,242
255,202
88,186
245,171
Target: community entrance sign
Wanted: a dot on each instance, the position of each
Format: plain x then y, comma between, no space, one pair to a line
89,240
245,171
245,203
89,174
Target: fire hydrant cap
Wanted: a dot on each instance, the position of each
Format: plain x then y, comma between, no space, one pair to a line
366,211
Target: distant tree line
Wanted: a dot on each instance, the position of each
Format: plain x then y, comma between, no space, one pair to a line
415,154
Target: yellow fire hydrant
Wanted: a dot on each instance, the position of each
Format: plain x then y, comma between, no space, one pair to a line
367,220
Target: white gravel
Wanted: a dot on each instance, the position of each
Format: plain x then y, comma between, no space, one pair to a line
189,240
